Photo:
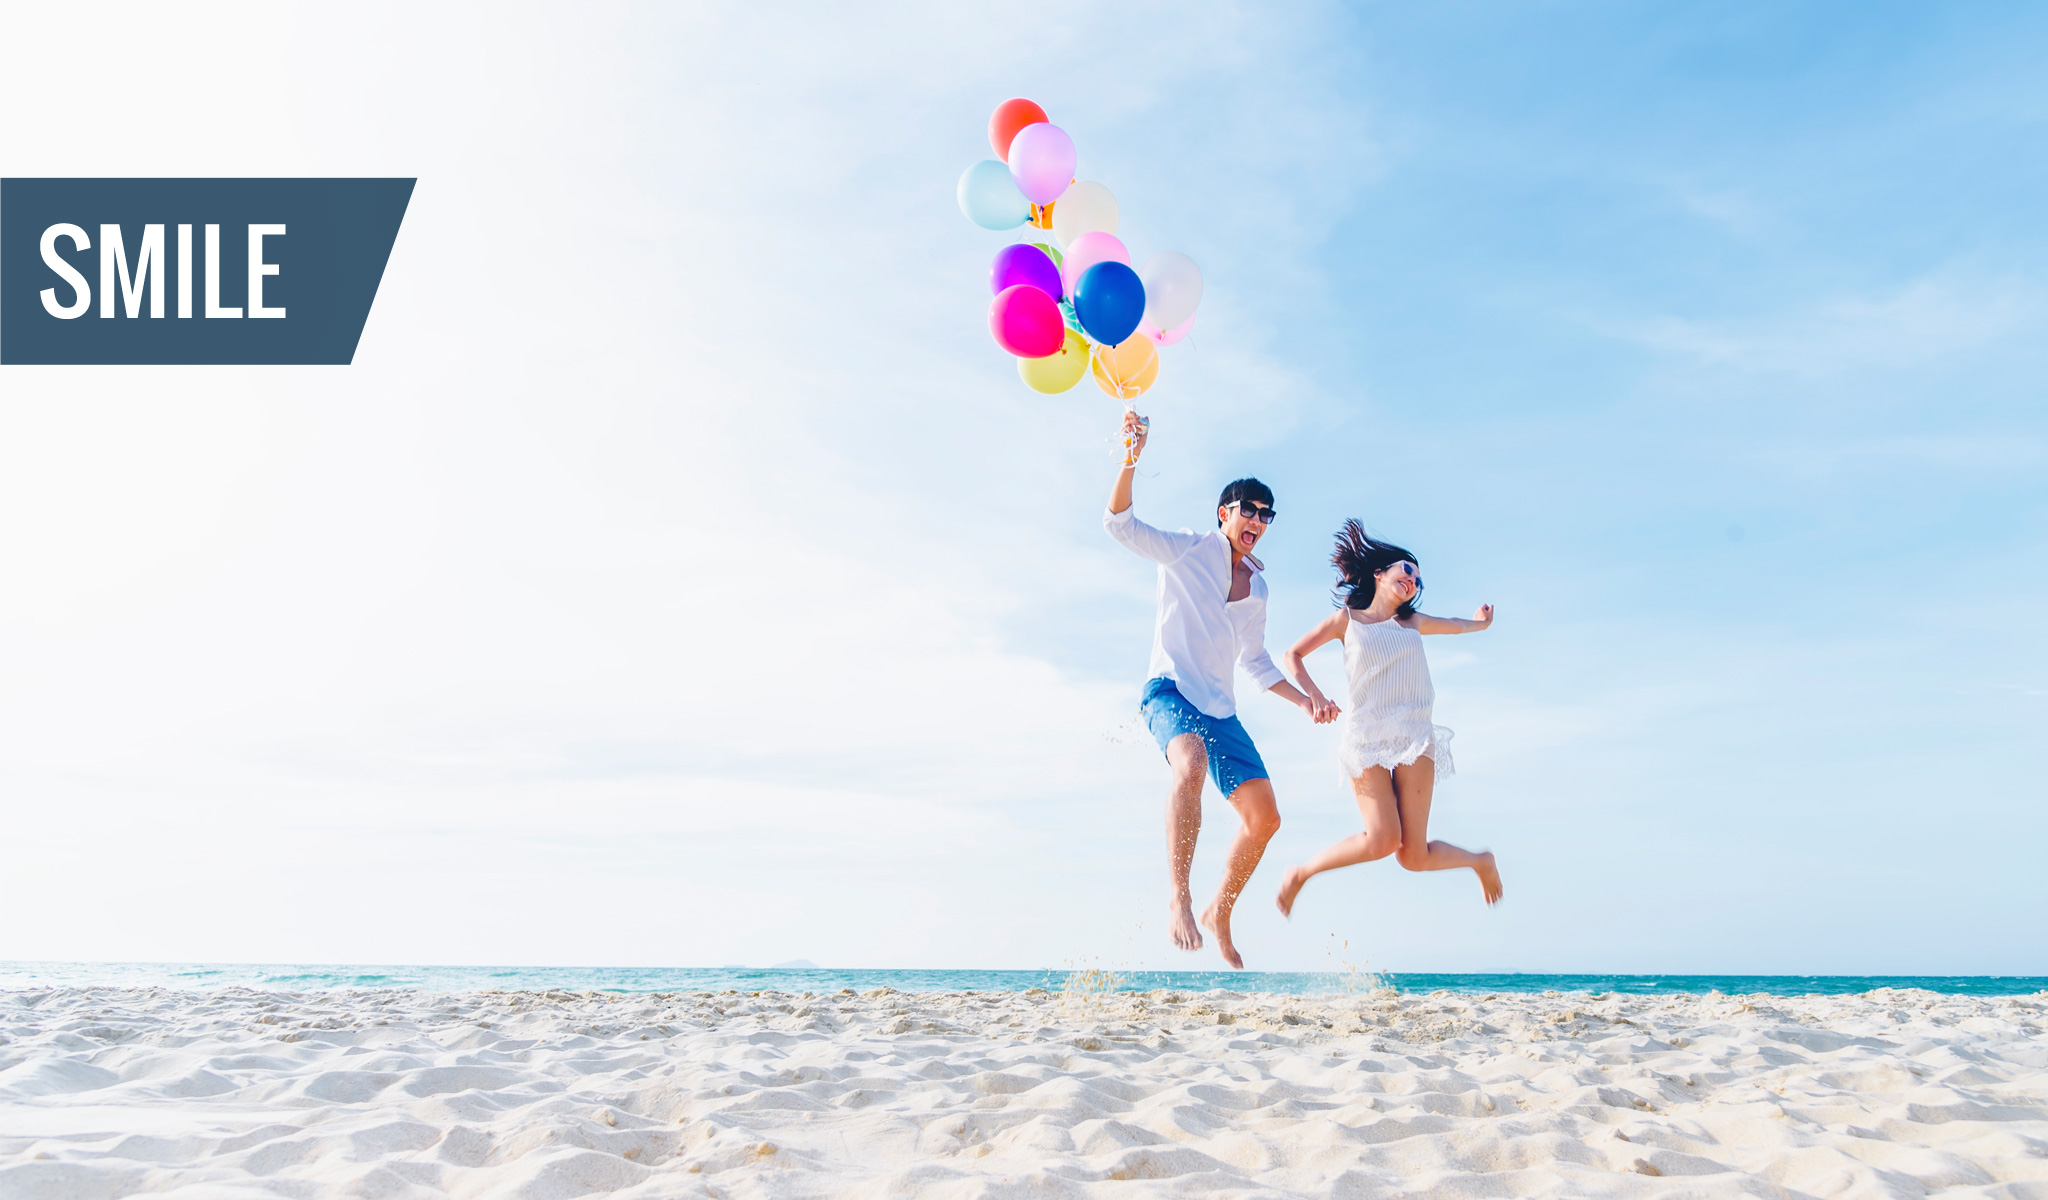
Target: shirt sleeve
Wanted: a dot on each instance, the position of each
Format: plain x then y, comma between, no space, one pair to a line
1155,544
1251,649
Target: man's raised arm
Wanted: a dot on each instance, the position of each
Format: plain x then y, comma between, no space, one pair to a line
1135,433
1124,525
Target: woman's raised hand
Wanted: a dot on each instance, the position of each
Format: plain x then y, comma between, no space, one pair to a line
1483,616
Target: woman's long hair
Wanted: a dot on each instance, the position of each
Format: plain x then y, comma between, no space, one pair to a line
1359,556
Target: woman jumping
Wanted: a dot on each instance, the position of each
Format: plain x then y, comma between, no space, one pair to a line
1388,746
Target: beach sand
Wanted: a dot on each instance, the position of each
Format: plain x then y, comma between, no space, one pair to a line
107,1093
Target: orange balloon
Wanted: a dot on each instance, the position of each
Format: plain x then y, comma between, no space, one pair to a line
1011,115
1127,369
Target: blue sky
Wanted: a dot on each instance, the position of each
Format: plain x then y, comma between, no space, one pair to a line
681,576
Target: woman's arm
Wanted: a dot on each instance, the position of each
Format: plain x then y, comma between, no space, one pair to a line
1424,623
1330,629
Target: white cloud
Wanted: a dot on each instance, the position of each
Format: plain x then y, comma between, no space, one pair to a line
1734,210
1955,452
1924,321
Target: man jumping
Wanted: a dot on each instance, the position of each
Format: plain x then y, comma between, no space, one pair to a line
1212,612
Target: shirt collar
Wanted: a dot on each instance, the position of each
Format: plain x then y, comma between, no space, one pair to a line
1253,559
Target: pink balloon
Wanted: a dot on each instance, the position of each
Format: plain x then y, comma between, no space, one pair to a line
1087,250
1166,337
1027,322
1042,162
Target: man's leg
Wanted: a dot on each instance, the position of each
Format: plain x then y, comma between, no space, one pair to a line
1259,819
1189,760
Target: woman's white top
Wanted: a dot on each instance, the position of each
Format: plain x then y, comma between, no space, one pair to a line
1387,724
1201,631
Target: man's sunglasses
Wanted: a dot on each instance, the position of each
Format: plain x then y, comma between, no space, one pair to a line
1254,512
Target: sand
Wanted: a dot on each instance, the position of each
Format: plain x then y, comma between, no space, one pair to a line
107,1092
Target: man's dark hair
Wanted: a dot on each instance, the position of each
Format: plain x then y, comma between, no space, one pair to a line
1244,489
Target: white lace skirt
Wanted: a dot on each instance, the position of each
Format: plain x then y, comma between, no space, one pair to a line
1381,746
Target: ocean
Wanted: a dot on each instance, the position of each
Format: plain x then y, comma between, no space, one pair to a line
291,978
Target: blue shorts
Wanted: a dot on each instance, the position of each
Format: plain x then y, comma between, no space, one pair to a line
1232,758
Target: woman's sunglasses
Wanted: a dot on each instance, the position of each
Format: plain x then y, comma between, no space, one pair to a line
1254,512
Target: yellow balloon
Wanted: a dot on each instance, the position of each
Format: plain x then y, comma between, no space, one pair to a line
1125,370
1061,369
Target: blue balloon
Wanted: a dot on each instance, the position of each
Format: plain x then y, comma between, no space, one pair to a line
1110,301
989,196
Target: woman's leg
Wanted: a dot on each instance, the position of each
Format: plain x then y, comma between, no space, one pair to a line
1374,791
1414,787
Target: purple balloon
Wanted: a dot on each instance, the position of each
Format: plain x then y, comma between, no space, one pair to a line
1042,162
1025,263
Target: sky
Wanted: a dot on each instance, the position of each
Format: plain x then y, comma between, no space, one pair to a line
680,576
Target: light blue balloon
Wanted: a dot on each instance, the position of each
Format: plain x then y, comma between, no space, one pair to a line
989,196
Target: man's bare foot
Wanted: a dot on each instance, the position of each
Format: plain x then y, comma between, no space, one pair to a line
1290,887
1181,925
1221,928
1489,877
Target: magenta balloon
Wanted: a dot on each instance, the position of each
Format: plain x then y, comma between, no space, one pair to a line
1042,162
1087,250
1027,322
1166,337
1025,263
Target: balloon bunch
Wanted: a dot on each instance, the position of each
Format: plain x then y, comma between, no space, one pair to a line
1080,308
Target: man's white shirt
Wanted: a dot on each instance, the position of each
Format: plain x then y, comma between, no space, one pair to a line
1200,631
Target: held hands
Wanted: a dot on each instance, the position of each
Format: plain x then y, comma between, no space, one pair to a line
1320,708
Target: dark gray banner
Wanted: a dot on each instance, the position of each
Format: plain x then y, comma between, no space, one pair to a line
192,270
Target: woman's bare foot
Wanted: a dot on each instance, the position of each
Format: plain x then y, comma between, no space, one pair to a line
1290,887
1218,923
1489,877
1180,924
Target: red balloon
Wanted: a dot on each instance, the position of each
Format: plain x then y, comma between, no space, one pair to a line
1027,322
1011,115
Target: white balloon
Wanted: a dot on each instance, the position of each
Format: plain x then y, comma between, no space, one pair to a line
1084,207
1173,287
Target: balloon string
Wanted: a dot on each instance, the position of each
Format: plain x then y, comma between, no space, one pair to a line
1130,441
1095,359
